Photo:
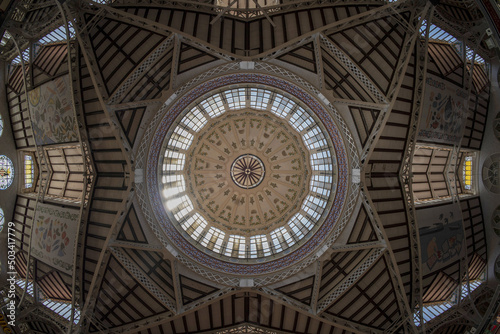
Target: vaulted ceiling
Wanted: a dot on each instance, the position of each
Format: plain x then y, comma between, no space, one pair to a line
128,62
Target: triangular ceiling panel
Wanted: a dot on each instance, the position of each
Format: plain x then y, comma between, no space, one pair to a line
193,290
476,266
122,299
303,57
49,60
119,48
374,47
301,290
440,289
371,301
191,57
54,287
130,121
445,57
364,119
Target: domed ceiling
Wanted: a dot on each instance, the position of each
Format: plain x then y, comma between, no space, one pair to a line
246,169
248,174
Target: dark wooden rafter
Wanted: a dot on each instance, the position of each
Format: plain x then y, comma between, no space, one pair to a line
18,110
50,62
232,35
247,307
446,57
336,269
476,121
476,266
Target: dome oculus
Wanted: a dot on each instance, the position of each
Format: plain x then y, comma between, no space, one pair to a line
247,171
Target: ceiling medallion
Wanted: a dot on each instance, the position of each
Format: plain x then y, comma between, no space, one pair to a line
247,175
247,171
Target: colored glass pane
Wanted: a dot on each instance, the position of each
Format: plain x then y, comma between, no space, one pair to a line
6,172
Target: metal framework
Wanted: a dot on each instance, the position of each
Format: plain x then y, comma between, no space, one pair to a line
87,17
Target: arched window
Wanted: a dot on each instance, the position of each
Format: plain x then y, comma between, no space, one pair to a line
6,172
467,173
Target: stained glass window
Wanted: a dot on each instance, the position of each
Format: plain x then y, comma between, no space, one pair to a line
6,172
468,173
2,219
29,171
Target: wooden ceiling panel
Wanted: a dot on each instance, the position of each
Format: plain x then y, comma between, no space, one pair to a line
300,290
193,290
445,57
122,299
131,230
191,57
153,82
375,48
155,267
303,57
364,119
363,229
372,301
119,48
55,285
246,312
130,121
342,84
337,268
440,289
50,61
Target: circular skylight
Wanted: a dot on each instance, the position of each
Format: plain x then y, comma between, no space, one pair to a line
247,173
6,172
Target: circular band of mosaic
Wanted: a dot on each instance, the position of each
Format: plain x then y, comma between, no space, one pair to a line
239,266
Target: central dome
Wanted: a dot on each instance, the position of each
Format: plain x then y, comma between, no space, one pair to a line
247,173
